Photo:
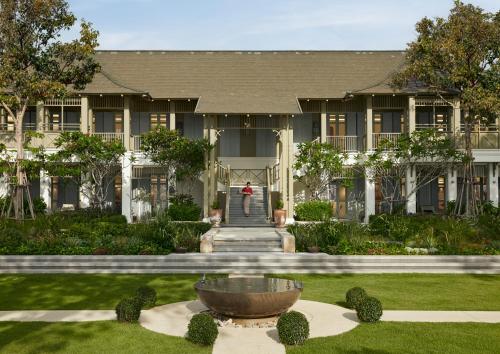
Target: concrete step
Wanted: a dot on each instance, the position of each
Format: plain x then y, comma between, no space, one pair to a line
250,262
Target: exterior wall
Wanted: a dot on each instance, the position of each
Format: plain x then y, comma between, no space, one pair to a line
366,117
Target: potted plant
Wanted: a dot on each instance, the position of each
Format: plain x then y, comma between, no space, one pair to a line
184,240
215,213
279,214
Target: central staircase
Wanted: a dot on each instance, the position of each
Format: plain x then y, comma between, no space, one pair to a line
247,239
258,208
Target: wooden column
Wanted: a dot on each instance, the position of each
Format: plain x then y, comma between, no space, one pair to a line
40,116
213,170
493,183
369,123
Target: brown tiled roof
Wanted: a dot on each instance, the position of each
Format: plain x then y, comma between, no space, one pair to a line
245,82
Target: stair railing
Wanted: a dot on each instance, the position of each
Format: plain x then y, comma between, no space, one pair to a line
228,192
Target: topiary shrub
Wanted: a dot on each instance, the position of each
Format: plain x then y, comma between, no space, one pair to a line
202,329
354,296
314,210
293,328
369,310
147,296
128,310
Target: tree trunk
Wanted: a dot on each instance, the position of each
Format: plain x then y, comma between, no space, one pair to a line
470,200
21,185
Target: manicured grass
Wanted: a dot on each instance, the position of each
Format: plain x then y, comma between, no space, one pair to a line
396,291
404,337
87,291
409,291
89,337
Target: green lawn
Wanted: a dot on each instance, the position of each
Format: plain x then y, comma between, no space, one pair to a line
404,337
396,291
409,291
90,337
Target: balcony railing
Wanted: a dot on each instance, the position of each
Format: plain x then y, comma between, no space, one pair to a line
439,127
109,137
481,140
379,137
59,127
136,142
346,143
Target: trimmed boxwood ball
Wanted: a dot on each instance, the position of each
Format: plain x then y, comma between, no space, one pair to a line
369,310
147,296
354,296
293,328
128,310
202,329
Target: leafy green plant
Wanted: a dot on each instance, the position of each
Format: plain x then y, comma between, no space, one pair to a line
128,310
183,208
293,328
354,297
146,296
279,204
202,329
215,205
314,210
369,310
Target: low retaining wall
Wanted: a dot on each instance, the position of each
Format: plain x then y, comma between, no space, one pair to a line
250,263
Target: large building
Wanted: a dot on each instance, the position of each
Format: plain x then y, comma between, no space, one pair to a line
255,107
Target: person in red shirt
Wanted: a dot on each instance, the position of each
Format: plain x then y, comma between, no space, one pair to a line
247,194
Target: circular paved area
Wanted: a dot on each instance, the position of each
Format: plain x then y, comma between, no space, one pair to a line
324,320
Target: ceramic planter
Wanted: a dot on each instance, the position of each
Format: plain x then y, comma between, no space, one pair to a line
215,217
279,217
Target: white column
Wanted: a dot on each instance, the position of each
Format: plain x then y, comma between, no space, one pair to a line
323,122
206,173
40,112
45,189
455,123
4,186
171,122
84,115
411,114
451,185
369,195
411,199
127,186
126,122
493,183
369,123
84,196
290,151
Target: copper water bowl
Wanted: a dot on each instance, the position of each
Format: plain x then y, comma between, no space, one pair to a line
248,297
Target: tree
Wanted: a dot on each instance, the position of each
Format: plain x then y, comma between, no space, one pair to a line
182,158
459,54
427,153
317,165
91,161
35,65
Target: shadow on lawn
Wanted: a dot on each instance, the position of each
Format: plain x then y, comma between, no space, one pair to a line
88,291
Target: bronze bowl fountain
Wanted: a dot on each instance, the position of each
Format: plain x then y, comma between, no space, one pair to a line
248,297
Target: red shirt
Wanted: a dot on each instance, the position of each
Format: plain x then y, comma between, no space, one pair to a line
247,190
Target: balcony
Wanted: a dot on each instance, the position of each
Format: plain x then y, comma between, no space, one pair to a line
346,143
136,142
481,140
379,137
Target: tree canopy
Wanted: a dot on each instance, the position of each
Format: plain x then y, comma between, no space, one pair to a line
317,165
36,64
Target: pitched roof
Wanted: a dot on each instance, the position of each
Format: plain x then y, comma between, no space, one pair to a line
245,82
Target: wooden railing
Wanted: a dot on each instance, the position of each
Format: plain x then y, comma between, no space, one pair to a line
228,193
345,143
254,176
109,137
59,127
379,137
